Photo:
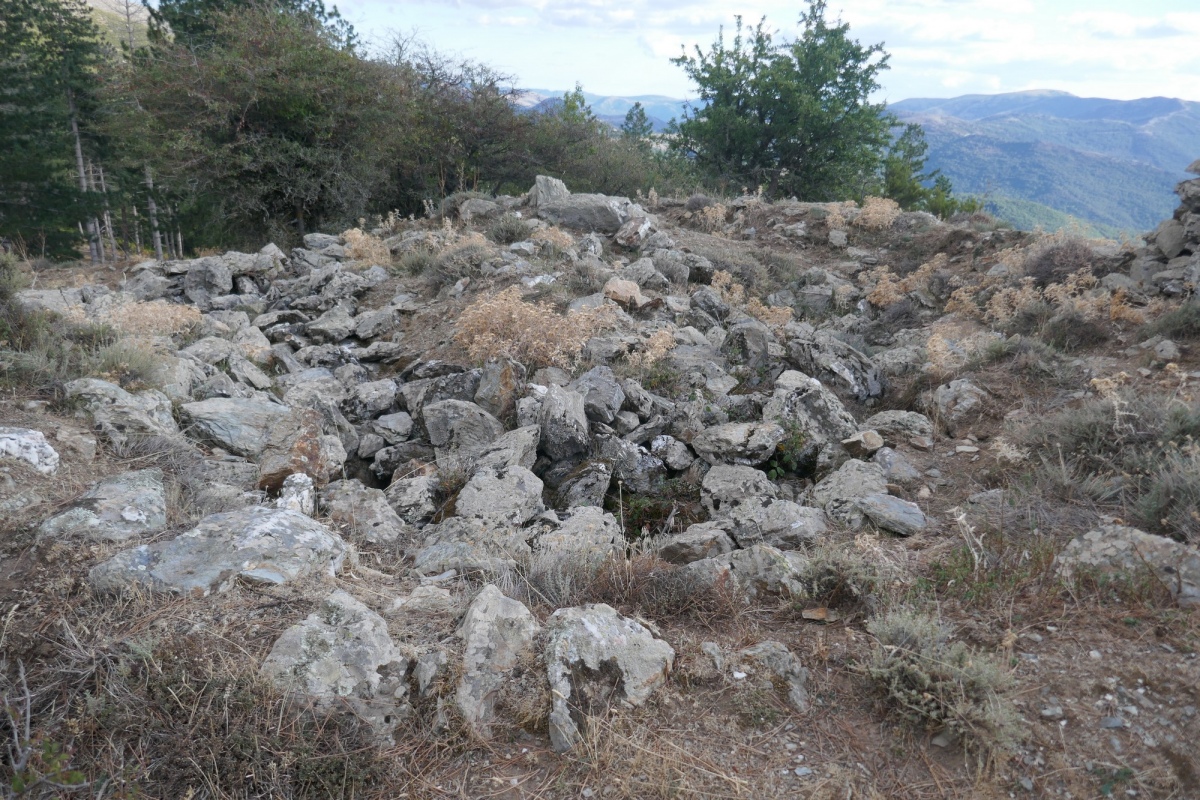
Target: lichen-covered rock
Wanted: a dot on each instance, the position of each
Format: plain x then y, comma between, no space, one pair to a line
510,496
778,523
899,426
745,443
726,487
413,499
114,510
703,540
459,431
295,443
602,394
239,425
468,546
341,654
590,650
257,544
1125,553
893,514
802,404
838,493
959,403
123,417
587,485
564,424
517,448
496,633
364,512
29,446
632,465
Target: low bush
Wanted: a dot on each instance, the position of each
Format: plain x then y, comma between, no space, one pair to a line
938,684
1062,257
508,229
1178,323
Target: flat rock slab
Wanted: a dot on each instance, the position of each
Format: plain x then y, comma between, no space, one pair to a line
29,446
893,514
1122,552
256,544
239,425
114,510
745,443
122,416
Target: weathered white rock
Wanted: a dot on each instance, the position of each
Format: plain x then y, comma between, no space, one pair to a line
726,487
590,649
257,544
803,404
517,448
496,633
745,443
341,654
839,492
959,402
779,523
468,546
459,431
863,444
900,426
413,499
114,510
588,536
703,540
770,663
511,496
29,446
564,424
297,494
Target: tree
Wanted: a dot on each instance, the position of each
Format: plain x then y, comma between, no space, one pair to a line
795,116
195,22
50,54
637,125
904,176
942,202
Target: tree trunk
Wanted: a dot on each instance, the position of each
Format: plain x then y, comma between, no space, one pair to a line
137,232
93,235
112,237
152,209
91,184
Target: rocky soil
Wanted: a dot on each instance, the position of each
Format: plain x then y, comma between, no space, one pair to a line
573,496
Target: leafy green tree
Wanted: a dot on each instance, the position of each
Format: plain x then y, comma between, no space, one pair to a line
50,56
195,22
794,116
637,125
904,175
942,202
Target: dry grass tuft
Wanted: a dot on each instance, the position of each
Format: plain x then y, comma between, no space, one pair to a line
362,246
878,214
652,351
504,325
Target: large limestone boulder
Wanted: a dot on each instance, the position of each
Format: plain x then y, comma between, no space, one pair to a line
459,431
517,448
778,523
590,650
114,510
587,536
414,498
342,655
509,496
1126,553
257,544
239,425
468,546
497,632
745,443
822,354
123,417
802,404
632,464
589,212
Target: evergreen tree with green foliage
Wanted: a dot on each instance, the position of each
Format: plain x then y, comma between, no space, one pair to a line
50,55
637,125
195,22
795,117
904,175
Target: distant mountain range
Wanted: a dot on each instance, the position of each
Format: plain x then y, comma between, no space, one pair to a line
1038,158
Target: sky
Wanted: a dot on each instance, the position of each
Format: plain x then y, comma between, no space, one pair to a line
1121,49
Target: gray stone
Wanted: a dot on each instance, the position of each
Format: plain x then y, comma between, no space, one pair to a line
1127,553
896,468
643,273
459,431
259,545
334,325
342,656
511,496
414,499
364,513
209,350
517,448
822,354
590,649
369,400
297,494
632,465
893,514
29,446
564,424
744,443
1170,239
840,491
704,540
749,342
240,426
587,536
778,523
114,510
585,486
862,444
295,443
497,632
468,546
727,487
801,403
769,664
602,395
500,384
674,453
205,279
123,417
546,190
899,426
589,212
959,403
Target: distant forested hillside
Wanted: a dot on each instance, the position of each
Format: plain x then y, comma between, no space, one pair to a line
1110,163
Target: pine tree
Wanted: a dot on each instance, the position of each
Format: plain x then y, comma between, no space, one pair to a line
637,125
50,53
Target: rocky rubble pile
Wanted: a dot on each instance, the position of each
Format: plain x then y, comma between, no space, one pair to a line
318,428
1171,259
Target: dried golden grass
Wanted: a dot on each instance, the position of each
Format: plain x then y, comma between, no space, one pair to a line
362,246
504,325
653,350
142,319
555,237
878,214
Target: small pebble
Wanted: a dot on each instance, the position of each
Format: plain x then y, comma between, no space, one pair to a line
1027,784
1052,712
803,772
1095,655
1112,722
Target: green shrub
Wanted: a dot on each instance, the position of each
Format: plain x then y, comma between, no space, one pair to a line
1179,323
508,229
416,262
936,684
